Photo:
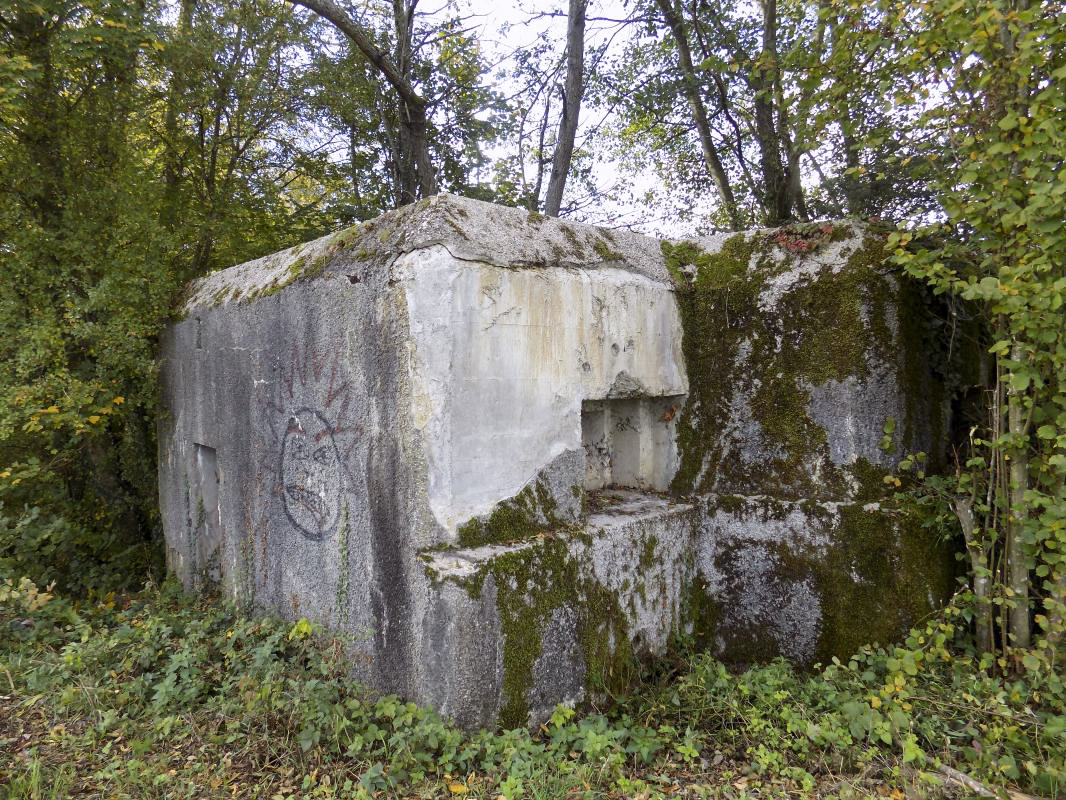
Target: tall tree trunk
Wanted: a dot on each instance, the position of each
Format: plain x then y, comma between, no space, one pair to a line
419,133
843,60
1017,563
691,87
777,199
416,175
533,198
573,92
853,192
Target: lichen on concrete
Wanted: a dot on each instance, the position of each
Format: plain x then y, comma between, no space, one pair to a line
469,229
787,354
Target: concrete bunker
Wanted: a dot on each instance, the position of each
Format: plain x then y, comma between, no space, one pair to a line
508,457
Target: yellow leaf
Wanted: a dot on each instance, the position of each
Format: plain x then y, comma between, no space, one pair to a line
301,630
457,788
94,419
119,400
51,410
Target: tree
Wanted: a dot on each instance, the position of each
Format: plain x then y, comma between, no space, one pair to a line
573,92
981,84
690,85
236,132
747,101
78,235
415,168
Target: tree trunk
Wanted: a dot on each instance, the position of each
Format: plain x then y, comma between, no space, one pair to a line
573,92
419,137
691,87
1017,566
854,195
533,198
978,553
417,173
777,198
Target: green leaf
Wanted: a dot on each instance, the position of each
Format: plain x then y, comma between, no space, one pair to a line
300,630
911,750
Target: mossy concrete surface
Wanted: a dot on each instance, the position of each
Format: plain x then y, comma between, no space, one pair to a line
801,346
560,616
469,229
812,580
811,375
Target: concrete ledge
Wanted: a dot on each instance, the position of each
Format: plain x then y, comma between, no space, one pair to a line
559,616
810,580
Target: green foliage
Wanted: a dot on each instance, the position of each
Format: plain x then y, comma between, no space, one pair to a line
996,243
152,693
929,699
141,145
84,298
799,127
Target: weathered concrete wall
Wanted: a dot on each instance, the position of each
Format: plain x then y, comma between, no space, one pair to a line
509,456
811,377
303,397
405,386
503,359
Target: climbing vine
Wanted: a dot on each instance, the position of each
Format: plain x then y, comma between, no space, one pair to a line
994,135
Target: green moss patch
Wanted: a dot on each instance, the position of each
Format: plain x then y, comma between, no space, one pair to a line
605,251
826,325
533,582
531,511
904,575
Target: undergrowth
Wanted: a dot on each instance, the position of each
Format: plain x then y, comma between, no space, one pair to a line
159,695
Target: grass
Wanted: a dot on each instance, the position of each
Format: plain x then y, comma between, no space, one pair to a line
156,695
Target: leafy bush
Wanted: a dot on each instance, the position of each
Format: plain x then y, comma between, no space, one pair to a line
155,694
930,699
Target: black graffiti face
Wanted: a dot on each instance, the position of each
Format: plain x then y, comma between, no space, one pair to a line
311,474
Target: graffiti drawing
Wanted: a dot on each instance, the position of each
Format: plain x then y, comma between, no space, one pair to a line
310,472
305,451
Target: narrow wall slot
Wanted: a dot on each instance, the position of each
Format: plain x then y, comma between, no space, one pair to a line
207,511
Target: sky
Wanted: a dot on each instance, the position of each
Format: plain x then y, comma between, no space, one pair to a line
505,27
